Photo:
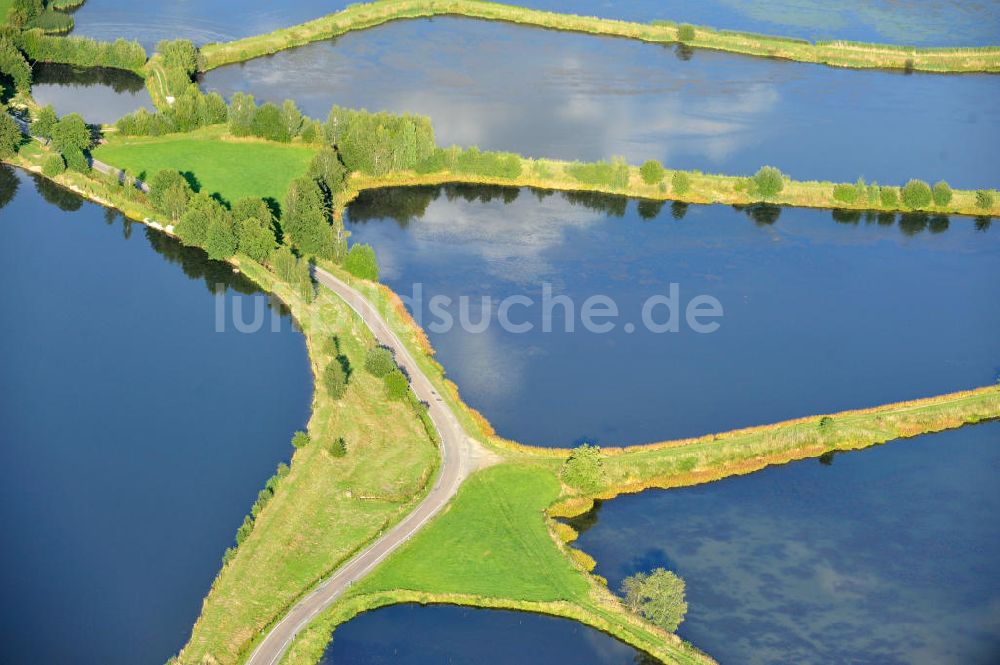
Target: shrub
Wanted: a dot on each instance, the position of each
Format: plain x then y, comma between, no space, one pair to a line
984,199
651,172
680,183
584,468
268,123
916,194
76,160
612,174
685,32
361,262
396,384
379,361
942,193
53,165
845,193
337,447
300,440
170,192
889,197
658,596
335,379
768,182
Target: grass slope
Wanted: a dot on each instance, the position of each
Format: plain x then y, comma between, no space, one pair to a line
232,168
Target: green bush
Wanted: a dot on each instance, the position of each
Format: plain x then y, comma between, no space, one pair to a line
984,199
52,23
379,361
76,160
889,197
396,384
680,183
942,193
335,379
337,447
300,440
916,194
768,182
361,263
584,469
613,174
652,172
220,239
53,165
845,193
82,51
685,32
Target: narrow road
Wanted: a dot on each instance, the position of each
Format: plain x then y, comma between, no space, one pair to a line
460,457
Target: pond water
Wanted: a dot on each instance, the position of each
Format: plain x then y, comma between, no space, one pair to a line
568,96
919,22
135,437
433,634
100,95
200,21
821,312
922,22
885,556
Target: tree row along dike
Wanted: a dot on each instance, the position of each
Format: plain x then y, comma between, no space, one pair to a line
856,55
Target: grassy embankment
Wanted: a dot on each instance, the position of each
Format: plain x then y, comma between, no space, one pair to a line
236,167
493,547
838,53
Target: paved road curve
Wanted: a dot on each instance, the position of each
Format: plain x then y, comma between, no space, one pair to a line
460,457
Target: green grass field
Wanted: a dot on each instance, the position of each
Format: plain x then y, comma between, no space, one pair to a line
493,541
230,168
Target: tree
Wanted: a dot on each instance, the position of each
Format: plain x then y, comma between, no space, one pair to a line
379,361
680,182
685,33
584,469
337,447
179,54
53,165
361,262
300,440
71,134
916,194
291,118
268,124
658,596
254,228
942,193
169,192
10,135
306,219
651,172
334,379
220,240
329,171
396,384
768,182
192,227
45,122
242,109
